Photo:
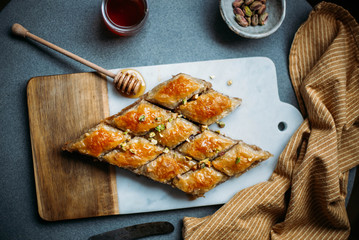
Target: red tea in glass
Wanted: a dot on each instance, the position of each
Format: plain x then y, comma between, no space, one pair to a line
124,17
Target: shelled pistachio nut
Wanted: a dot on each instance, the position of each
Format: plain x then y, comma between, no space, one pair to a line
263,18
250,12
241,20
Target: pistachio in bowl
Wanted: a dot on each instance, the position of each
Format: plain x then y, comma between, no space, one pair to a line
253,18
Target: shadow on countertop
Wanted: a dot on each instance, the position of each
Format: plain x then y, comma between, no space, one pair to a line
3,3
353,210
351,6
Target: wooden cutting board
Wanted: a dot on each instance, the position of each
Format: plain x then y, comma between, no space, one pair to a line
60,108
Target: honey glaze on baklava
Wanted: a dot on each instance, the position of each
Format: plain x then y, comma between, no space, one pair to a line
206,145
167,166
97,141
174,91
165,137
133,154
240,158
197,183
174,132
140,117
209,107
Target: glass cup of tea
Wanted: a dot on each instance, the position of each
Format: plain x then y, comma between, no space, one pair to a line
124,17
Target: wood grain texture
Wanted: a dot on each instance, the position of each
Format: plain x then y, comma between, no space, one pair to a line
69,186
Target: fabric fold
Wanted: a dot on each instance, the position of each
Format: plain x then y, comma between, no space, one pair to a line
305,196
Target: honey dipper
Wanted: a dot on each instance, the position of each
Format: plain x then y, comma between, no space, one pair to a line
129,82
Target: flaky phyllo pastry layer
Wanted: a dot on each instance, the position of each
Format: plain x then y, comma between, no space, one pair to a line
164,136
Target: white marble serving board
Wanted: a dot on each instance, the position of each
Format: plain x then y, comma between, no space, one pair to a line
255,122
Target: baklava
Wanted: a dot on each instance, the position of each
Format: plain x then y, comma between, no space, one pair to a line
176,90
208,107
164,136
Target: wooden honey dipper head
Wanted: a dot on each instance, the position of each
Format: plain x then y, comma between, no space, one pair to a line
128,82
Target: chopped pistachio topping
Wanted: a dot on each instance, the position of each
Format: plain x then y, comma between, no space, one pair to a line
142,118
125,133
195,96
132,151
221,124
204,160
184,101
217,131
212,77
154,141
188,157
204,163
238,160
166,150
180,115
170,120
229,83
152,134
160,127
203,127
123,146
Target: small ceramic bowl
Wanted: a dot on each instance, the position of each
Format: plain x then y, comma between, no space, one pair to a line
276,13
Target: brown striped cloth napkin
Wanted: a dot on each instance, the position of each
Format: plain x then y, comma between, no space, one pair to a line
305,196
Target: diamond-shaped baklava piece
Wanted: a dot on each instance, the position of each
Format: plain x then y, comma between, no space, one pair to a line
167,166
140,117
240,158
209,107
133,154
208,144
197,183
97,141
176,90
175,132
